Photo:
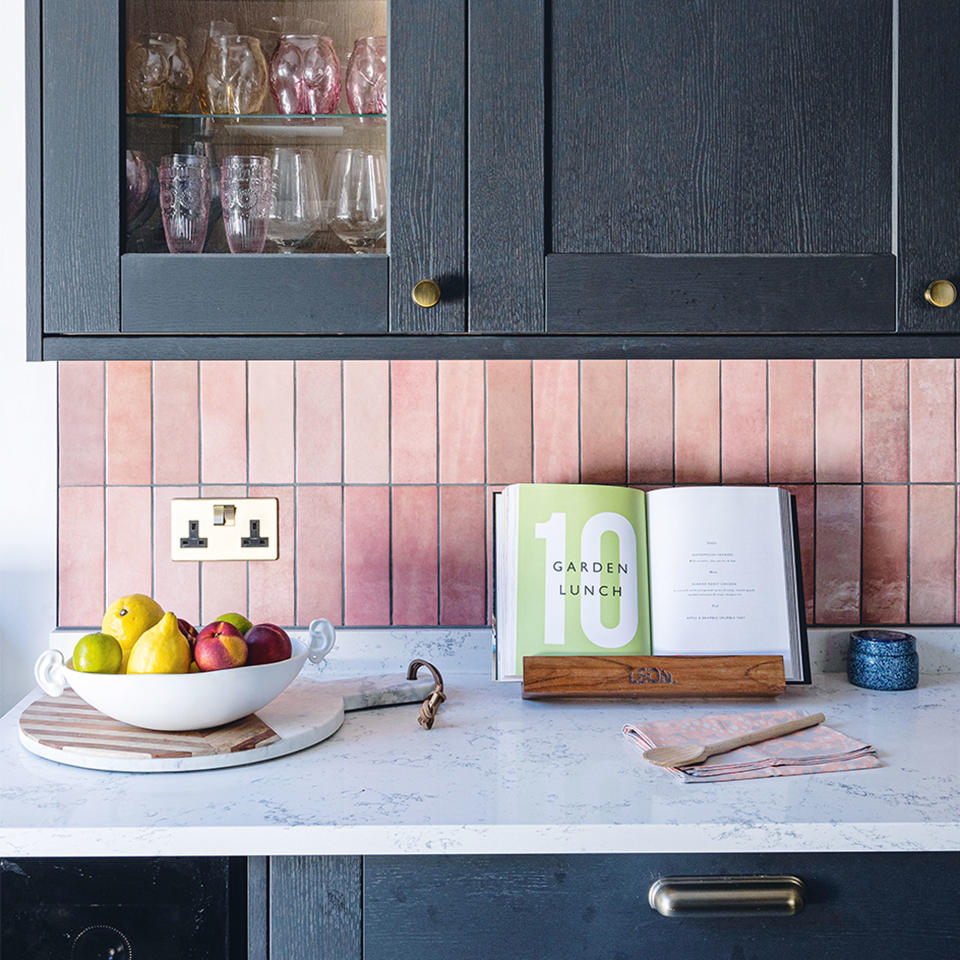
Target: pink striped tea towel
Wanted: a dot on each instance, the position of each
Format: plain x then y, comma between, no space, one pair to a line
819,749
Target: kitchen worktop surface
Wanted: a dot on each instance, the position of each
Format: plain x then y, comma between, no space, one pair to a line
501,775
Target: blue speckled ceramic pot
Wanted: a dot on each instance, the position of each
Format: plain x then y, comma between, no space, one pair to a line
883,660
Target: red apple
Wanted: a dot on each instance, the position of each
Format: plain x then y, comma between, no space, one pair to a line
188,630
220,645
267,643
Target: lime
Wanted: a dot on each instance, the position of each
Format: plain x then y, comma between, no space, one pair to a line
97,653
237,620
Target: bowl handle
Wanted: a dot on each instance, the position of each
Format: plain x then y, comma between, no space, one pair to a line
322,638
49,673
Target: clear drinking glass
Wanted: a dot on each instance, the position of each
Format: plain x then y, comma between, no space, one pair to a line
232,76
160,75
209,28
245,185
358,198
184,201
367,76
305,75
296,210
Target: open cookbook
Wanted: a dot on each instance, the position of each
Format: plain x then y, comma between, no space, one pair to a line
588,569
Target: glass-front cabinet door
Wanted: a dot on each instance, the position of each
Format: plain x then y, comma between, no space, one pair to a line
221,168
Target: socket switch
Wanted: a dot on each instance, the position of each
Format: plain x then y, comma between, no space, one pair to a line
218,528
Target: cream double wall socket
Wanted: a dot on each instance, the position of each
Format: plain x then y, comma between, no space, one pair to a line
215,528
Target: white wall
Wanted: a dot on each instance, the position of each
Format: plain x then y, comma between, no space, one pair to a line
28,417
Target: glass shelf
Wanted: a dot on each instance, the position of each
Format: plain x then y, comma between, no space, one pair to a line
254,118
360,126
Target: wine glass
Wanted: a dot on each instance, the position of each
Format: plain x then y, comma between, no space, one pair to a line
295,206
358,198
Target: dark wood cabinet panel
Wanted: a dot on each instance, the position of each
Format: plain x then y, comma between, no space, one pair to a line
80,206
718,126
315,908
594,907
428,163
928,238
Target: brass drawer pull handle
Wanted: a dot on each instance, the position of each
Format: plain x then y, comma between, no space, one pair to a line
727,896
426,293
941,293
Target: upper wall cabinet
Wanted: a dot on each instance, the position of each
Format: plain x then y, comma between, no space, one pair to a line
493,179
709,167
206,170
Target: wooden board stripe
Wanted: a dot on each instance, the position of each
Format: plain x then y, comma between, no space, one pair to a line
68,723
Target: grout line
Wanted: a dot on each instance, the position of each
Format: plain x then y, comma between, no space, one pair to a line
437,392
766,375
105,481
343,503
673,423
390,516
153,473
907,599
816,492
246,377
295,505
720,419
860,576
580,421
199,487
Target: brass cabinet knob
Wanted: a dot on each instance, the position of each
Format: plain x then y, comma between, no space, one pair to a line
426,293
941,293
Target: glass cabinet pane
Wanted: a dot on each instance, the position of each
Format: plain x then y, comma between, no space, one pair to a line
255,126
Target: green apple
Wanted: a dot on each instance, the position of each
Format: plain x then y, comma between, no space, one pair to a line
237,620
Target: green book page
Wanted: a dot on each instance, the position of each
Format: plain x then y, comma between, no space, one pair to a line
582,584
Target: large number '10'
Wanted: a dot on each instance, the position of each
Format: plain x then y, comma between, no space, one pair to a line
554,531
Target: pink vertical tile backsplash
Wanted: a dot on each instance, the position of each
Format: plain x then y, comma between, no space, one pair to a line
384,472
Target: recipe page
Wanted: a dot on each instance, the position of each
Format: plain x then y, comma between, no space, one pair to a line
718,581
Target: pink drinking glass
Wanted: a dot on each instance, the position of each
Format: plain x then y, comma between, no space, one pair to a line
305,75
245,184
185,201
367,76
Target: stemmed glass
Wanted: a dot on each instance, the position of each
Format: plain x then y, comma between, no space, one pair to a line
295,207
358,198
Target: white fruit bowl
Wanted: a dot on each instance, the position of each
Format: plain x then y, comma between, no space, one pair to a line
173,701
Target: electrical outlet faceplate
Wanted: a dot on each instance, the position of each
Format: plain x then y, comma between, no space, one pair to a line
220,528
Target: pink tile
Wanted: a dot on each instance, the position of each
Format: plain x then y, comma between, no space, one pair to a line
933,560
270,421
272,583
556,421
319,554
366,551
223,584
603,421
650,421
319,444
933,457
838,421
80,421
366,421
223,422
697,421
176,585
462,556
413,421
80,583
838,554
885,553
743,421
415,565
807,523
129,560
791,420
886,435
509,421
129,423
176,422
461,417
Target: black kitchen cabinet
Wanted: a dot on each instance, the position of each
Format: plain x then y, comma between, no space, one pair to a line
580,179
862,906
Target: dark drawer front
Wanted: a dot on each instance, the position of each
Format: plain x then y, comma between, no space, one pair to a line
594,907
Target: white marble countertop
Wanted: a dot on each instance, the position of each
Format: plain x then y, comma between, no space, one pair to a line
501,775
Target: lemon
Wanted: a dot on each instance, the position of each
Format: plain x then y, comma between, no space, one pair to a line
97,653
161,649
127,618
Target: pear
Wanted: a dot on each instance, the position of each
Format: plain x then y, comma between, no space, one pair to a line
161,649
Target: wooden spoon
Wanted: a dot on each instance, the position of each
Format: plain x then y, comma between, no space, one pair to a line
688,755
